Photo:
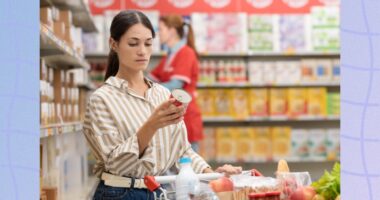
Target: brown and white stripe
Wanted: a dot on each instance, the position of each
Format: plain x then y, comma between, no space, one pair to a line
113,116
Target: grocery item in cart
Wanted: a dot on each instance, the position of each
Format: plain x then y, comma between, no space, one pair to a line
187,183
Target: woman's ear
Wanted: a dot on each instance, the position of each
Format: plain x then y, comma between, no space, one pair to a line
113,44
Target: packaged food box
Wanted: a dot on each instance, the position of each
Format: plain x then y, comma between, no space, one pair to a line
258,102
262,144
240,103
297,102
300,146
245,144
206,102
318,144
223,103
225,145
278,102
316,101
281,142
333,144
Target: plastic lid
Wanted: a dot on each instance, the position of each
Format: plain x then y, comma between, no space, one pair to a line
184,160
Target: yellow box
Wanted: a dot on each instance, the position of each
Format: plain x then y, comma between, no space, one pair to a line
225,145
278,101
262,144
239,99
206,103
208,145
223,104
245,144
281,142
258,102
297,98
316,100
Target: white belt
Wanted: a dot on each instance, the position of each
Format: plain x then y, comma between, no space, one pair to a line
119,181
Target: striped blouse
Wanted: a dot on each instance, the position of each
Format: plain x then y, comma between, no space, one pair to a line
113,116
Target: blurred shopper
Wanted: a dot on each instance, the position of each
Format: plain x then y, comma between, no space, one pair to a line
180,69
132,127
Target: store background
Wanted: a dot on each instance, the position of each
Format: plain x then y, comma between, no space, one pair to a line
20,133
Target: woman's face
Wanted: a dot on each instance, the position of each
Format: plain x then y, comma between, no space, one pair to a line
135,48
164,32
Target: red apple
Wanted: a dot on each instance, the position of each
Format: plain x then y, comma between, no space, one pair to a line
223,184
303,193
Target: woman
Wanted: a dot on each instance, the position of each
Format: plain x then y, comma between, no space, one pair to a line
132,127
179,69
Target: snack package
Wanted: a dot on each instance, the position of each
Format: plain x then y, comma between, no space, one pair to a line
333,144
223,103
239,99
297,102
262,144
206,102
317,98
278,103
225,145
244,144
208,144
300,147
258,102
281,142
317,144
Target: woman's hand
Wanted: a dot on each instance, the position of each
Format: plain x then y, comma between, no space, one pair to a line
229,170
166,114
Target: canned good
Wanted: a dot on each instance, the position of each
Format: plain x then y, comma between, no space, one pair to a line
181,97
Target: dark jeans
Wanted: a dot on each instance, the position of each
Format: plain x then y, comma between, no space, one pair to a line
104,192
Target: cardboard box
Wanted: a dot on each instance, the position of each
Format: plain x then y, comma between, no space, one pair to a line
323,70
297,102
278,102
300,146
66,17
225,145
46,17
244,144
258,102
281,142
262,144
58,99
59,30
318,144
223,103
240,105
208,145
256,73
205,100
333,144
316,102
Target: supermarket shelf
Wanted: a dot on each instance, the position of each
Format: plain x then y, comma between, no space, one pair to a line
82,16
103,55
56,52
304,161
270,119
57,129
87,86
249,85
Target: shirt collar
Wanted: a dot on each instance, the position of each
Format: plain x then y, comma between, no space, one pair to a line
123,84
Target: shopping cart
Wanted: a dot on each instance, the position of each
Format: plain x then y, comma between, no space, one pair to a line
154,184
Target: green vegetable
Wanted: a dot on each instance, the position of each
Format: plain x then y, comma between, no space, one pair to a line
329,184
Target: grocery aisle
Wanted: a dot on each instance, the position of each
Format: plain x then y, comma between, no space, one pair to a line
268,88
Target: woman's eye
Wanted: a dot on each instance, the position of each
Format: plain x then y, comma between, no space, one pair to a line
132,44
148,44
